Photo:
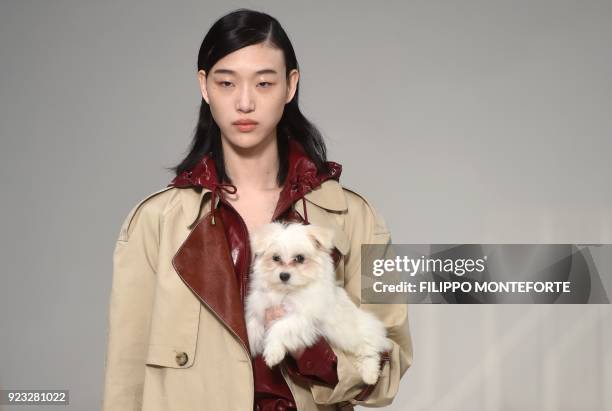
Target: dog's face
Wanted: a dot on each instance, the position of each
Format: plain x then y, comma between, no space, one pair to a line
290,256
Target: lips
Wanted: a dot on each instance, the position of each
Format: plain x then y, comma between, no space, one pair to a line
245,122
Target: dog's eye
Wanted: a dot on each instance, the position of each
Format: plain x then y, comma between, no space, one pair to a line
276,257
299,258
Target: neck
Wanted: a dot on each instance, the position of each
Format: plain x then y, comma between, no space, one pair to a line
254,167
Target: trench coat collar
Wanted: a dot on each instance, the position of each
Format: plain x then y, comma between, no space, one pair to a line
303,181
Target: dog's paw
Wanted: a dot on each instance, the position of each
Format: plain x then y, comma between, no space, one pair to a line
273,354
369,369
388,345
255,346
254,350
370,376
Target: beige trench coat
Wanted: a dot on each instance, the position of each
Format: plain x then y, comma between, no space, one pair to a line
167,351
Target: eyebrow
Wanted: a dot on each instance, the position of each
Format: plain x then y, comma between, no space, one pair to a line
228,71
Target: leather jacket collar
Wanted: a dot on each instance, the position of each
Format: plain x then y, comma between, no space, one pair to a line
302,179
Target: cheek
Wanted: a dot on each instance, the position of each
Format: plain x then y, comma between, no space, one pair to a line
219,110
272,107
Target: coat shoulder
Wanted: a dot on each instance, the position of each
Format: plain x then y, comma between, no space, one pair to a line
355,198
362,210
148,210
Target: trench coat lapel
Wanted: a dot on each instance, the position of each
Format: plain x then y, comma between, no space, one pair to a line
204,263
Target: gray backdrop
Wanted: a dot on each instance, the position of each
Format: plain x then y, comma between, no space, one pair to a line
473,121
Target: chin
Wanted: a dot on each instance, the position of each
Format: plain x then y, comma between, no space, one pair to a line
244,141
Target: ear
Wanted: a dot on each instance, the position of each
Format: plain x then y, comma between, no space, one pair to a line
293,78
202,81
322,237
262,238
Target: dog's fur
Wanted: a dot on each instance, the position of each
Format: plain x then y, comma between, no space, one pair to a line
314,305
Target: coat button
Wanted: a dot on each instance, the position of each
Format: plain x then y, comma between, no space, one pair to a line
308,365
181,358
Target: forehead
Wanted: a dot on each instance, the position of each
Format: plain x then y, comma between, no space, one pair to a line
251,59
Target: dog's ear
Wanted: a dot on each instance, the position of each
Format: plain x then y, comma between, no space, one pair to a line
262,237
322,237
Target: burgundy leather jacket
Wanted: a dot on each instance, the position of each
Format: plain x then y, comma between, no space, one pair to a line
226,297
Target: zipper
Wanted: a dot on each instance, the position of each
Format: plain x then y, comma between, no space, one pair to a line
247,351
247,248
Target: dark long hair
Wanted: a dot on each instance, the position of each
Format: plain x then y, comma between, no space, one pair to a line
238,29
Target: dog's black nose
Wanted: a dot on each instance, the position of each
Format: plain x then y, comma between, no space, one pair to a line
284,276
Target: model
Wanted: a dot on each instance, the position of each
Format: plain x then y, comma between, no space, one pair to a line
177,337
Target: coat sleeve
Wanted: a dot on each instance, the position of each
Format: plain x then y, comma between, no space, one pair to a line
131,298
366,226
318,362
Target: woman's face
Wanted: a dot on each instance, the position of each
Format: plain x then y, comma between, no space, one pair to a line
248,84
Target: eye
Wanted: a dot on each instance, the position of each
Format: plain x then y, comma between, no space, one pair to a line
276,257
268,84
299,258
225,84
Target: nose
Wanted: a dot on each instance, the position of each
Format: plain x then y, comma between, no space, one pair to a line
245,100
284,276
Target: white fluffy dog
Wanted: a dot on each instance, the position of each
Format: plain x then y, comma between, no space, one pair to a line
292,267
